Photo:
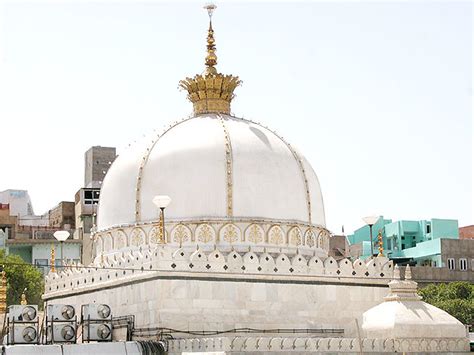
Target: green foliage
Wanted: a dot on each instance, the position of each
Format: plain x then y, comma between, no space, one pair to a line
21,275
456,298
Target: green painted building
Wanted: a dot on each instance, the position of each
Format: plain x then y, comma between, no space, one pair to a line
416,242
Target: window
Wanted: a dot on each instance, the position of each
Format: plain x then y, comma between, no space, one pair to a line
41,262
451,264
91,197
428,228
472,264
463,264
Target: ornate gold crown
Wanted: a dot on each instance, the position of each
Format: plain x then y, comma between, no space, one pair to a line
210,92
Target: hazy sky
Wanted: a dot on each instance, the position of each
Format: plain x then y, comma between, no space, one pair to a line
376,95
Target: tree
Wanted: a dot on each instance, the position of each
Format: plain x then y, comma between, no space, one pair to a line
456,298
21,275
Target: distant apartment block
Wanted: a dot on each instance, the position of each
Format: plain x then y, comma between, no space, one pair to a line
434,242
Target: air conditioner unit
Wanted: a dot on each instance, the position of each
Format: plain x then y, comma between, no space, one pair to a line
97,331
95,311
22,334
22,313
60,312
61,333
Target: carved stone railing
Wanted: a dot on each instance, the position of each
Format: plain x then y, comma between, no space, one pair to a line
319,345
139,264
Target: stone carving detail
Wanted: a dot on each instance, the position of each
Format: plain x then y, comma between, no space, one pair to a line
154,235
310,238
294,236
322,238
120,240
137,237
254,234
215,261
107,242
276,236
205,233
309,345
230,233
181,234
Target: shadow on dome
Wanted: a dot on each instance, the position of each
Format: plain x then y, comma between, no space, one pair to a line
262,136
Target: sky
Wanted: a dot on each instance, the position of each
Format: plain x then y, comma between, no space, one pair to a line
377,95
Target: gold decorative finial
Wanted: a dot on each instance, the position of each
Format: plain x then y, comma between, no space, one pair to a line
210,92
3,291
380,242
211,58
52,261
23,300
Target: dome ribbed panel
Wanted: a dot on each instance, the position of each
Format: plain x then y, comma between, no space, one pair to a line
267,179
117,195
187,164
316,196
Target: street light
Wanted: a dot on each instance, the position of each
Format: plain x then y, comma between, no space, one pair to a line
61,236
370,221
162,201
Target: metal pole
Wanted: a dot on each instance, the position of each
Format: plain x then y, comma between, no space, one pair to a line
163,236
62,260
371,242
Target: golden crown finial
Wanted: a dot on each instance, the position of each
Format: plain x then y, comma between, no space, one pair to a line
211,57
210,92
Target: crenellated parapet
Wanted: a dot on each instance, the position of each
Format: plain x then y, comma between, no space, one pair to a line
149,262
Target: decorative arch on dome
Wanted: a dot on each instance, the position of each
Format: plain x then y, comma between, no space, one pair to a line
294,236
230,234
254,234
205,234
120,239
154,236
108,245
322,238
137,237
181,234
310,238
276,235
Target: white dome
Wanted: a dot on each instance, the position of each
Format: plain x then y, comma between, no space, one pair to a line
213,167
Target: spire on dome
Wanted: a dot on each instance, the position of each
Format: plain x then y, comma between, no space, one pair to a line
211,58
210,92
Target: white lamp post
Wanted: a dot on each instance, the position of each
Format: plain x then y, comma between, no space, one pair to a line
162,201
61,236
370,221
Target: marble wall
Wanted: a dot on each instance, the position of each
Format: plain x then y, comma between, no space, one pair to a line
186,303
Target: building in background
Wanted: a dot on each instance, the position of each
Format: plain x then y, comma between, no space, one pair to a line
30,236
33,243
432,242
466,232
97,162
338,247
20,205
63,216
